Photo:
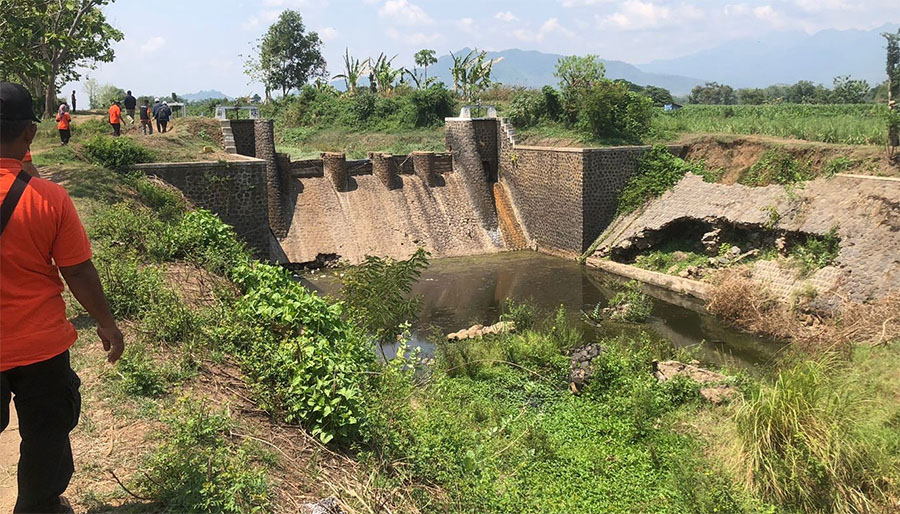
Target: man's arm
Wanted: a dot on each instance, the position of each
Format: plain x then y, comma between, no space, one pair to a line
84,282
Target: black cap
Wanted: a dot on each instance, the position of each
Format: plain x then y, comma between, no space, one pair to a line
16,103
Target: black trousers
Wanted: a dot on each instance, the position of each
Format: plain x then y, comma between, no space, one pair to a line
48,404
158,125
117,128
64,135
164,123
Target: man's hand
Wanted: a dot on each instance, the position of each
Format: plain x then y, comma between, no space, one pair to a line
84,282
113,342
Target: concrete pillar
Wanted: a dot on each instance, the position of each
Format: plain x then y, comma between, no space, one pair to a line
265,150
335,167
384,168
423,164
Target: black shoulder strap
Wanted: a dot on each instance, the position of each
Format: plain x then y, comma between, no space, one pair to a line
12,198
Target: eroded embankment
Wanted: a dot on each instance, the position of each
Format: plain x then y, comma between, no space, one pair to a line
371,219
865,213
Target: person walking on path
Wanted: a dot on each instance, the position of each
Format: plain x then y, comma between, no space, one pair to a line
146,114
115,118
73,100
162,117
42,237
130,105
156,107
63,119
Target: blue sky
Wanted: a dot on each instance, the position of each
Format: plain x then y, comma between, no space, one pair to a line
200,43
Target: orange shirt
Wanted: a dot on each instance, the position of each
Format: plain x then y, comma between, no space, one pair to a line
27,157
44,232
115,114
63,120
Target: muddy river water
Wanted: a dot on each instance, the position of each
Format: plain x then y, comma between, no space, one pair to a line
460,292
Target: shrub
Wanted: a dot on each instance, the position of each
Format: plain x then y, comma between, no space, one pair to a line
116,153
610,111
837,165
636,305
522,314
817,252
131,288
197,467
166,202
132,226
304,360
377,294
802,446
777,166
432,105
658,171
203,237
139,374
530,107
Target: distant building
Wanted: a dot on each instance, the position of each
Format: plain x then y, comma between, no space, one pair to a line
671,107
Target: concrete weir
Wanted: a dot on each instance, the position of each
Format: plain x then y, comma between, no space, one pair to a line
485,194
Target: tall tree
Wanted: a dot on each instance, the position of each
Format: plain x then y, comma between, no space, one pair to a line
425,58
893,64
579,73
42,42
713,93
288,56
849,91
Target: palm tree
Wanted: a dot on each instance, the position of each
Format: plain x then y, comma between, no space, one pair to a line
425,58
354,69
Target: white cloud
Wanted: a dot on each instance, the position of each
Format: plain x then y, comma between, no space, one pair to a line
153,44
328,34
296,3
506,16
251,23
635,15
582,3
404,13
466,25
412,38
551,26
768,14
823,5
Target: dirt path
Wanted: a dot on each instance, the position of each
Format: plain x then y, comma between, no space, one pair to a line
9,456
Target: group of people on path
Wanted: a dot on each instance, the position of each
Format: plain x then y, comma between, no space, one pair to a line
160,111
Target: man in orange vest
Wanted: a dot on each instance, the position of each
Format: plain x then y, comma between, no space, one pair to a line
115,118
41,237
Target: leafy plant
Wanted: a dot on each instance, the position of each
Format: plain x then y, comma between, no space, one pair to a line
658,171
116,153
521,314
636,306
377,294
817,252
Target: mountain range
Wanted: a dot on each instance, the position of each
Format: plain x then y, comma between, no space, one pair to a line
205,95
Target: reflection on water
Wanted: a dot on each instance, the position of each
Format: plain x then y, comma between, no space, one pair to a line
460,292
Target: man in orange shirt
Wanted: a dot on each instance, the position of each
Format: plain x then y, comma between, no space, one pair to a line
115,117
41,237
62,124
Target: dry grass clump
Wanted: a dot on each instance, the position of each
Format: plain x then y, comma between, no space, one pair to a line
749,305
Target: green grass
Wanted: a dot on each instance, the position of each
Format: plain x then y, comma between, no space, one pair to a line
864,124
673,257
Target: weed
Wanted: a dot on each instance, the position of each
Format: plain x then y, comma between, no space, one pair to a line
198,468
777,167
837,165
658,171
817,252
773,216
522,314
631,303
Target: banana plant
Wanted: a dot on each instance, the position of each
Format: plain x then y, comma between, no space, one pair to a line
354,69
472,73
385,74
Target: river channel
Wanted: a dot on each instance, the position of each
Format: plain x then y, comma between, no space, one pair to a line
460,292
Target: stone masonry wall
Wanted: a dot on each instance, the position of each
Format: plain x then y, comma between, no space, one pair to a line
546,187
462,143
244,137
235,191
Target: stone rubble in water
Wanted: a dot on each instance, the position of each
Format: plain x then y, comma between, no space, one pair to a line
581,366
476,331
712,388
